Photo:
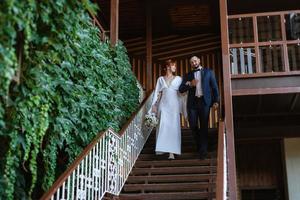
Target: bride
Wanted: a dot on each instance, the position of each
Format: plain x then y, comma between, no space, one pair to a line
166,105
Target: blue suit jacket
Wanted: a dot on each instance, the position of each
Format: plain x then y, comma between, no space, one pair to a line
209,87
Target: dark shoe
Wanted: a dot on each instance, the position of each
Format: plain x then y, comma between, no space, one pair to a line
203,155
211,148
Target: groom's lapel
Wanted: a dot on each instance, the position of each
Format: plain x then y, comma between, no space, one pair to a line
192,75
203,73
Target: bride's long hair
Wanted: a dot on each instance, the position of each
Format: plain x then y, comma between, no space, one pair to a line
169,63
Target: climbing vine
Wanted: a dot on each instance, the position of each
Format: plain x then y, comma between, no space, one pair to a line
59,87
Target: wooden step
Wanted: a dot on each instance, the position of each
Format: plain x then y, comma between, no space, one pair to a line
172,178
174,170
183,136
184,149
167,196
184,142
212,133
168,187
154,177
183,156
175,163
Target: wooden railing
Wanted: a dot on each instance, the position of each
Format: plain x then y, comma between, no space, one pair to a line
105,163
103,32
212,121
222,170
264,43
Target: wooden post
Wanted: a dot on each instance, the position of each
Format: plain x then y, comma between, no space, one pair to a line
228,101
114,21
149,46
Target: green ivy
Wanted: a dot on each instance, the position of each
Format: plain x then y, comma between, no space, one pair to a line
70,87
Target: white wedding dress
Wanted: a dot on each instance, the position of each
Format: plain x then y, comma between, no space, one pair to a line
168,131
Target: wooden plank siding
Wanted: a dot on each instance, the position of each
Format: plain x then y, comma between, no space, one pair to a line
259,165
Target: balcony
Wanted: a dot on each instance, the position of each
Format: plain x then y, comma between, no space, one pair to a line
265,52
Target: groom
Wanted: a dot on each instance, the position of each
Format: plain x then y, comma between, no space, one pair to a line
203,93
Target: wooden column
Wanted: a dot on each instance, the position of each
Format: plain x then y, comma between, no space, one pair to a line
149,46
228,101
285,49
114,21
257,54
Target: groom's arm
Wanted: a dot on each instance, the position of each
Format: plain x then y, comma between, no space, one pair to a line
214,87
185,84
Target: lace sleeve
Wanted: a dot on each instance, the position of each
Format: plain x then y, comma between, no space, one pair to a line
157,93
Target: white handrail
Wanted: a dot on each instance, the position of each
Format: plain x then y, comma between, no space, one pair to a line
105,164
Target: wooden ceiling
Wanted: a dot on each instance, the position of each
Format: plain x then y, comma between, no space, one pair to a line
174,46
169,17
267,110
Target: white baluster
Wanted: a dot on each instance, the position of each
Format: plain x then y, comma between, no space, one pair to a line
107,165
242,59
57,194
249,62
234,69
73,185
63,191
68,188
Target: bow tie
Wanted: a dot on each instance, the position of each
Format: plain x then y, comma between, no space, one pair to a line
195,70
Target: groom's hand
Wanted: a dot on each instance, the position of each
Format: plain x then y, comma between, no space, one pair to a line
215,105
194,82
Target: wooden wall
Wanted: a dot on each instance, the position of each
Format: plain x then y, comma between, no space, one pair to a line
260,166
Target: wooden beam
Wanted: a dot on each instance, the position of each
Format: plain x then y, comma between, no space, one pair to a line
266,83
114,22
258,109
263,14
257,54
220,160
228,101
170,45
285,49
294,101
166,41
180,39
261,91
149,45
143,41
130,41
268,131
189,53
188,49
278,114
266,74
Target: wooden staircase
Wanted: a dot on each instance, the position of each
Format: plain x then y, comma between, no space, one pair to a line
186,177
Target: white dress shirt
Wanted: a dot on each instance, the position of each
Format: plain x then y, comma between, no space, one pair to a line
197,75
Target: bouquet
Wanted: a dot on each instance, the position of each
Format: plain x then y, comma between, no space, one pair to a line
151,120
